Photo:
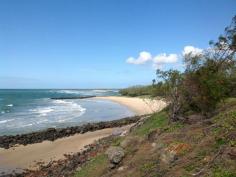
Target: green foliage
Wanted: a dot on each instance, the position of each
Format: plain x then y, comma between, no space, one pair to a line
173,88
150,90
117,140
157,120
221,172
205,87
148,167
94,168
209,78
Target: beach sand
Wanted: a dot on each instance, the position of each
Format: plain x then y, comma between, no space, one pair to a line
140,106
22,157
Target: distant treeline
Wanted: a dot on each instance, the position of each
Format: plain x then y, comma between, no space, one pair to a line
149,90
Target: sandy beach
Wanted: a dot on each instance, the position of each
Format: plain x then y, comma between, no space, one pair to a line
140,106
22,157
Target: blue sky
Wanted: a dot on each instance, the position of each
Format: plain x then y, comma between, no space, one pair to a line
86,43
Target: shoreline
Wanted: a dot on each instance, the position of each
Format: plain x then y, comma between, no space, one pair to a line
32,156
52,134
45,146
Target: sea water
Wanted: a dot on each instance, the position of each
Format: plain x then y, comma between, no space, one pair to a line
27,110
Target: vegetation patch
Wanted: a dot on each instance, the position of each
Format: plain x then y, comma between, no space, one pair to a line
94,168
157,120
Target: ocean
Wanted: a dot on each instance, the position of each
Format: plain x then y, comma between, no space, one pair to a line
28,110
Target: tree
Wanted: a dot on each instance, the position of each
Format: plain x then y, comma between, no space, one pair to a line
209,75
153,82
172,86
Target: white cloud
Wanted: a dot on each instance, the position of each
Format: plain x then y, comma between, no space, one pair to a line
161,59
142,58
191,51
165,58
157,61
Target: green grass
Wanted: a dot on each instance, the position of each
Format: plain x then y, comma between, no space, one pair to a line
117,140
220,172
157,120
225,123
94,168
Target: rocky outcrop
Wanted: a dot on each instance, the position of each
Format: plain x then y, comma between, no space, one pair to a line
52,134
115,155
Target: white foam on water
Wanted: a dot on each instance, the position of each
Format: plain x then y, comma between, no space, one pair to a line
102,91
59,111
42,111
85,92
9,105
5,121
42,121
70,91
26,125
60,101
68,110
2,112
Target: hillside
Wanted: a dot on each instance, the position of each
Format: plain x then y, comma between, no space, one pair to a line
156,147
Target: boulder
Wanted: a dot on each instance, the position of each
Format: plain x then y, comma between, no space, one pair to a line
115,154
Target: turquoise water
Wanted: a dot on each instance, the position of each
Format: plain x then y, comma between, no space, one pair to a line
23,111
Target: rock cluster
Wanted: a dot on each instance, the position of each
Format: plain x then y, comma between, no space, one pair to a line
52,134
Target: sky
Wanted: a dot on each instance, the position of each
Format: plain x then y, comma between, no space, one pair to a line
102,43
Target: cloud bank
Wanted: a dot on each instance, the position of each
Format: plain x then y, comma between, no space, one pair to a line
162,59
157,60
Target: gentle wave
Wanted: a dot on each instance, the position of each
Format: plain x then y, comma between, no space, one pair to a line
85,92
5,121
60,101
42,111
9,105
59,106
102,91
69,91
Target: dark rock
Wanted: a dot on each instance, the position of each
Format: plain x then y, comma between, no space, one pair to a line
52,134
